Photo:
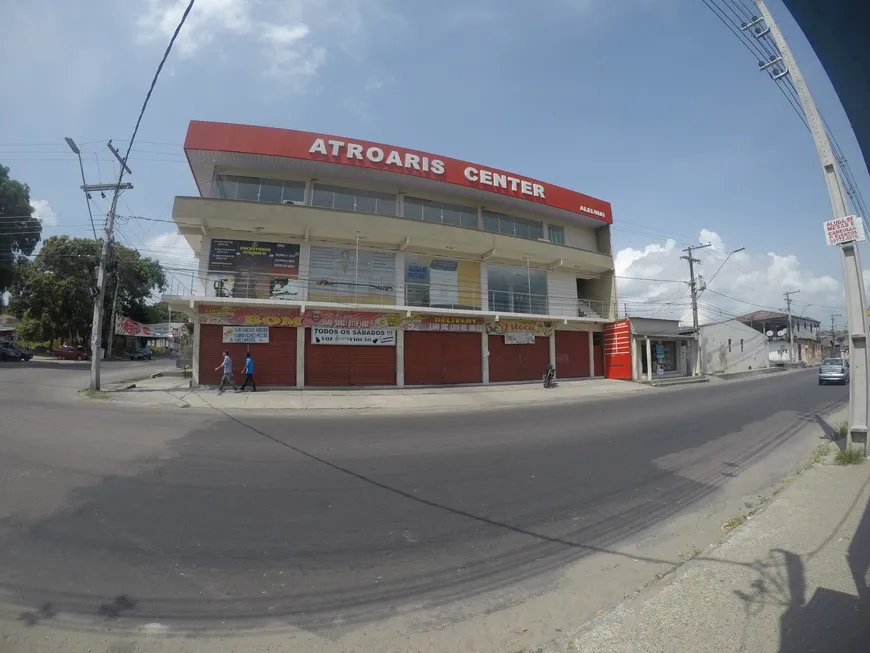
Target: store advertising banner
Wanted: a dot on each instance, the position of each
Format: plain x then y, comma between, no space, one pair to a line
519,338
338,275
124,326
291,317
518,326
443,323
254,270
339,336
246,334
442,282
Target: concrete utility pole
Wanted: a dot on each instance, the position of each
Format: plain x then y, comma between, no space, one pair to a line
114,309
853,283
788,301
100,290
833,333
693,286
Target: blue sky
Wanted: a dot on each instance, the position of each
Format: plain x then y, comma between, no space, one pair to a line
650,104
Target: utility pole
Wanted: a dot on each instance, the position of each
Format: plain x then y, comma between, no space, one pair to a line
788,301
853,282
693,286
833,333
100,291
114,309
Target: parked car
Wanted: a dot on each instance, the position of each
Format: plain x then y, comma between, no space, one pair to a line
68,352
834,370
26,354
9,354
141,354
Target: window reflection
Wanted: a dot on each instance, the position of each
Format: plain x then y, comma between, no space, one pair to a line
517,290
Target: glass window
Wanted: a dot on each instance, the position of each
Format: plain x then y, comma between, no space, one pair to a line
354,199
343,199
450,214
386,204
248,189
270,190
490,221
323,196
521,228
468,217
412,208
556,234
536,230
366,202
225,187
517,290
431,211
293,191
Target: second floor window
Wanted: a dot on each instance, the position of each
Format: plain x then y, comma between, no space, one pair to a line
354,199
556,235
256,189
429,211
511,226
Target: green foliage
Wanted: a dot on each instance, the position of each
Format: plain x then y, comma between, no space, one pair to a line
51,293
849,456
19,230
159,313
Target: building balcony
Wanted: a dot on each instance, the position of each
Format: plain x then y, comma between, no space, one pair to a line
220,218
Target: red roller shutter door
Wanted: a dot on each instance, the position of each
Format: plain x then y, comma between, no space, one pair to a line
274,362
347,365
441,358
518,362
572,354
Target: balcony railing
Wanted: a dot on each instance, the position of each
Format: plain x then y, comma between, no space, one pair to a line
385,292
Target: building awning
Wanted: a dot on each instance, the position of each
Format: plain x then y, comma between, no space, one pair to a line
220,218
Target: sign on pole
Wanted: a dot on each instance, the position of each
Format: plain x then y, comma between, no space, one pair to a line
844,230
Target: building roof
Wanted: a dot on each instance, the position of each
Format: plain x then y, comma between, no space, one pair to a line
771,316
8,323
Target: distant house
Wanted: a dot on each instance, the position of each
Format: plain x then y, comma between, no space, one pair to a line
732,346
775,326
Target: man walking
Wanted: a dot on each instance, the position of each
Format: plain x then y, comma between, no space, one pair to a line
227,364
249,373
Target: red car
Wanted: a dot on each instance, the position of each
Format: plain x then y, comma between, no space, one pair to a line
68,352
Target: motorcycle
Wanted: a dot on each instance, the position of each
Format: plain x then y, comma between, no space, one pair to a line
550,377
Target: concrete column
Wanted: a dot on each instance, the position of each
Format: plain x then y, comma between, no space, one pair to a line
591,356
553,349
635,373
484,288
484,349
400,357
649,368
399,281
300,357
201,287
194,363
304,270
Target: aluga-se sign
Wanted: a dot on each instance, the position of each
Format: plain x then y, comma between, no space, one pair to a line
844,230
408,161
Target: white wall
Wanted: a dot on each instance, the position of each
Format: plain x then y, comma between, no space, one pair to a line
717,357
562,293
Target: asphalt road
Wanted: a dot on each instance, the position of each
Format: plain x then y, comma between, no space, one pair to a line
205,518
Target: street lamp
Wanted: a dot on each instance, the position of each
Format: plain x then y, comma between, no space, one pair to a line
720,267
78,153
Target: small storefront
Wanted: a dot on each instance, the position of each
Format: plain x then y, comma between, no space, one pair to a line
443,350
658,349
518,350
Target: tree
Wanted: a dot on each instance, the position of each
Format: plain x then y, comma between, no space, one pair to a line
159,313
52,294
20,232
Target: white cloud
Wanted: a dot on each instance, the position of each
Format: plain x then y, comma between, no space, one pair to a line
44,213
749,281
176,257
292,37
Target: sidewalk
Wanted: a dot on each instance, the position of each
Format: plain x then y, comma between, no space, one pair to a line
793,578
173,391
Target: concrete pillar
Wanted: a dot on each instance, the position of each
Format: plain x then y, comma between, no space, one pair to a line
399,282
194,360
304,267
484,349
300,357
591,356
635,372
484,288
553,349
400,357
649,368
